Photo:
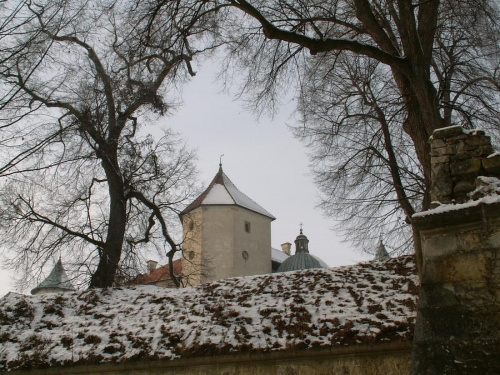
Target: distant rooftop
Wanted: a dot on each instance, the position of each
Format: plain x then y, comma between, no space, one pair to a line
278,255
159,274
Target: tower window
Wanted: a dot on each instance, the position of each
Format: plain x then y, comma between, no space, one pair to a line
247,227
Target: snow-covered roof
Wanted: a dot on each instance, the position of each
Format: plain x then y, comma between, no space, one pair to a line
278,255
57,279
222,191
367,303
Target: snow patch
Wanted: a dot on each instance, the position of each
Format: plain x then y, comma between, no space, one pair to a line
487,192
218,195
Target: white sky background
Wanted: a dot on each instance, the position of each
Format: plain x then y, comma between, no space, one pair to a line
261,158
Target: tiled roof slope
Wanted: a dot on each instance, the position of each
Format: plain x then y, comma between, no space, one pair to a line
367,303
159,274
222,191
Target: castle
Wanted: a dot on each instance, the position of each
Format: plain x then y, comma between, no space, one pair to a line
227,234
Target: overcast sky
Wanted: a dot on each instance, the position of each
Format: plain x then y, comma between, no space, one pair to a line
261,158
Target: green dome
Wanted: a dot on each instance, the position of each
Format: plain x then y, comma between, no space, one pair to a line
56,281
301,261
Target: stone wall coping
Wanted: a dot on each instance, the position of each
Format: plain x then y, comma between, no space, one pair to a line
454,130
143,367
481,210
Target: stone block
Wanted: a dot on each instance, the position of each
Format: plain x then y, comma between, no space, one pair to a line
447,132
464,186
461,189
486,150
466,167
492,241
478,140
461,146
438,143
460,156
445,150
437,296
466,267
449,150
492,165
438,246
476,296
440,159
441,178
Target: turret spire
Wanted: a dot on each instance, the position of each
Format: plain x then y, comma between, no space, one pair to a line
301,242
220,162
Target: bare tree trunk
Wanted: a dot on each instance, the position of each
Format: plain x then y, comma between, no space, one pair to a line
110,254
423,118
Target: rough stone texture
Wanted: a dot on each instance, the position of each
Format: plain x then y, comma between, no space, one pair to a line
458,157
492,164
369,360
458,319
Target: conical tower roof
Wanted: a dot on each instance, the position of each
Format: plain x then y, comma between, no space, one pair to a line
57,281
382,255
222,191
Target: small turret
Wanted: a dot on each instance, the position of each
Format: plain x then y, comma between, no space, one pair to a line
381,255
57,281
302,259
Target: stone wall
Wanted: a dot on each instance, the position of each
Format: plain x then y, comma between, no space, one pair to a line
458,157
381,359
458,320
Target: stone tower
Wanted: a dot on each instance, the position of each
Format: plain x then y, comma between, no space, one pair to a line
225,233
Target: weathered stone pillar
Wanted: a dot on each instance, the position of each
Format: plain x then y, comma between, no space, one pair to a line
458,320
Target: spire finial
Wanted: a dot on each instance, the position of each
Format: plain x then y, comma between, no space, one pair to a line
220,161
301,227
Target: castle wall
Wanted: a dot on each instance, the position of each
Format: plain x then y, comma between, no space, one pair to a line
381,359
458,320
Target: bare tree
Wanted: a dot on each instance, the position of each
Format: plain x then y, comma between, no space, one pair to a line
271,39
374,79
79,173
362,161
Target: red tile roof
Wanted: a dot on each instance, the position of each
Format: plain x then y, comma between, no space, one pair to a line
159,274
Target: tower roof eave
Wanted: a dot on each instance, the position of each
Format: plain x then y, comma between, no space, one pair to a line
57,279
219,199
